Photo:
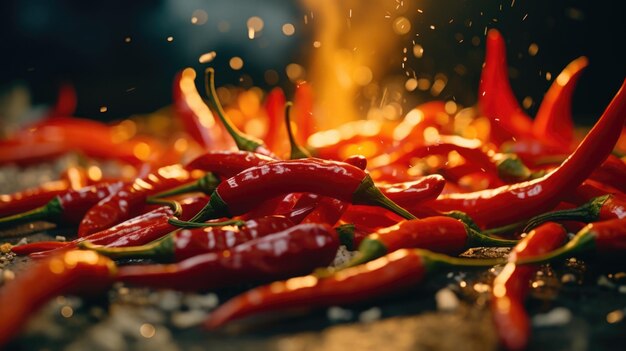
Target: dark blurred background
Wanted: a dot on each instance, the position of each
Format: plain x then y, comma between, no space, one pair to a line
124,55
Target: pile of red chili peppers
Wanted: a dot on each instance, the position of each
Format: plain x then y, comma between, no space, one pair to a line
262,214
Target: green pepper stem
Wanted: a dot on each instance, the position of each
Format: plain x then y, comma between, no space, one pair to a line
48,212
243,141
206,185
297,151
476,239
511,168
582,241
463,217
368,194
588,212
346,235
436,260
185,224
174,205
369,249
503,229
161,250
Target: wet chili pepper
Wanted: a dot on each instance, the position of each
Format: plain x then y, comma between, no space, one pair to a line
135,231
511,286
73,272
247,189
606,239
274,106
553,122
294,251
67,208
511,203
191,111
243,141
126,202
611,172
186,243
398,271
439,234
495,97
29,199
601,208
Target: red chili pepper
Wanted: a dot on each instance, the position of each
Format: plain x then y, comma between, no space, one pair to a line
611,172
327,210
495,97
511,286
589,190
186,243
243,141
303,101
67,208
429,114
511,203
398,271
414,192
439,234
275,105
371,217
342,181
189,108
126,202
358,161
29,199
66,102
554,123
297,250
136,231
73,272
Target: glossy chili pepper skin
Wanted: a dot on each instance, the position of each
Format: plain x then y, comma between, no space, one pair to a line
512,285
194,115
186,243
413,192
511,203
495,96
123,204
370,217
247,189
327,211
29,199
297,250
276,138
227,163
72,272
67,208
611,172
554,123
139,230
438,234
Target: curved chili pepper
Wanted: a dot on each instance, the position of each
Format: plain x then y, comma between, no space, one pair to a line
439,234
327,210
611,172
294,251
194,115
67,208
186,243
73,272
589,190
511,286
124,203
243,141
274,106
358,161
606,239
29,199
601,208
412,193
429,114
303,101
247,189
398,271
136,231
511,203
553,122
495,97
296,151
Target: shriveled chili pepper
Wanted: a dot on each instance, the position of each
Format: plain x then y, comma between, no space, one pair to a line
73,272
495,97
512,203
29,199
606,239
243,141
239,194
439,234
135,231
511,286
553,122
186,243
67,208
274,106
294,251
191,111
398,271
126,202
601,208
611,172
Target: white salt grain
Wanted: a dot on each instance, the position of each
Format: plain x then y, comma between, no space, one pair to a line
557,317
